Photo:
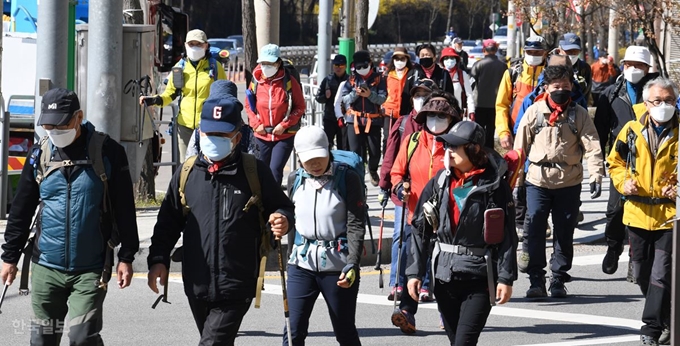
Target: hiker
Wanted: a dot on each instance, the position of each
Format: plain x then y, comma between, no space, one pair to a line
557,135
222,220
604,75
461,81
642,165
427,68
329,236
403,128
457,45
199,71
487,74
363,94
398,97
466,283
570,45
275,104
326,95
420,157
80,182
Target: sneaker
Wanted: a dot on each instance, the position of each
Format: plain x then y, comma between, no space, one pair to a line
395,291
520,233
404,320
630,277
375,179
648,340
665,338
537,288
425,296
523,262
611,260
557,288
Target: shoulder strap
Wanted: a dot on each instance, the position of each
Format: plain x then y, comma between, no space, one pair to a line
250,168
95,151
187,166
540,123
411,148
339,180
297,182
571,118
402,125
41,162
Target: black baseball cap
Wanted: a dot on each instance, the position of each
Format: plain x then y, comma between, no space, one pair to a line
340,60
462,133
221,115
58,106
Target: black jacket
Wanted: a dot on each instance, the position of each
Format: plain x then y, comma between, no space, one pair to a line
440,76
469,232
614,109
464,58
488,74
331,82
221,241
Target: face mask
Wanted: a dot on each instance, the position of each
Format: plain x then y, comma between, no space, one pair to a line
450,63
400,65
457,49
195,53
426,62
418,103
662,113
436,125
533,60
269,71
61,138
633,75
364,71
573,58
560,96
215,148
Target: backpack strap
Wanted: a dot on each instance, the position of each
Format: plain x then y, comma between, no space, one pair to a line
41,158
411,148
571,120
339,180
187,166
402,125
250,169
463,94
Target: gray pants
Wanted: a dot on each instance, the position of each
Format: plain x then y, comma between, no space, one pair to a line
183,138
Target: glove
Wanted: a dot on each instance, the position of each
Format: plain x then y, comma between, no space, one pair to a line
341,122
350,272
153,101
595,189
383,197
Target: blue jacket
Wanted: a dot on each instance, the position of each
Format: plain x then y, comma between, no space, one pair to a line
371,105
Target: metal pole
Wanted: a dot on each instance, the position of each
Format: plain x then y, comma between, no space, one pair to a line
71,57
324,43
612,47
52,65
511,30
104,66
675,279
275,16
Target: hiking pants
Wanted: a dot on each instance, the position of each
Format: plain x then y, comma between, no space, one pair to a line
395,248
275,155
564,204
56,293
615,231
464,306
358,143
218,322
651,254
184,135
335,132
304,287
486,118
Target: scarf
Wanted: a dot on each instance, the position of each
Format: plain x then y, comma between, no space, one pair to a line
556,110
429,71
461,185
319,182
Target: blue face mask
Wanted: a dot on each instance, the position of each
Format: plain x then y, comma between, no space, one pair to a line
215,148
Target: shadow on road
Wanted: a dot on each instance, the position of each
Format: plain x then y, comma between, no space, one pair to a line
581,299
585,331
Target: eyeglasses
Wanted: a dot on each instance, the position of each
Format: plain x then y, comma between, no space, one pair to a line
658,103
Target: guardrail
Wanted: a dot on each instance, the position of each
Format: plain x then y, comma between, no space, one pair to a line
235,69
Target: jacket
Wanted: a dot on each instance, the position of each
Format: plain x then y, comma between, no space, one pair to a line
272,104
223,240
469,231
614,109
555,153
602,75
461,88
365,105
427,159
510,97
440,77
464,58
69,236
197,81
649,172
331,82
330,230
584,75
487,74
392,149
398,97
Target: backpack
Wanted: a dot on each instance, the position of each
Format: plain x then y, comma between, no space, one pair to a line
345,160
571,120
515,70
289,71
212,72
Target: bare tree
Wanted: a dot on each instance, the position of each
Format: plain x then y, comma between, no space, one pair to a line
434,11
249,38
362,25
474,8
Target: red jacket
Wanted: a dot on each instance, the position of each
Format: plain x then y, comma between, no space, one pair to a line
272,104
392,148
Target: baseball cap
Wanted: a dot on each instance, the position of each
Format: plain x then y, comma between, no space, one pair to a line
340,60
570,41
534,43
311,142
269,53
423,84
490,44
639,54
197,35
361,57
58,106
400,51
221,115
457,40
462,133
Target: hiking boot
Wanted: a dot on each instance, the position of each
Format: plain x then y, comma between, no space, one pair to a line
375,179
537,288
665,338
523,262
404,320
557,289
630,277
395,291
611,260
648,340
520,233
425,296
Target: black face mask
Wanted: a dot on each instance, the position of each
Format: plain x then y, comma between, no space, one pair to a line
560,97
426,62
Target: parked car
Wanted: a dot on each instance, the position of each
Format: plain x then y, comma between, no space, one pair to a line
388,56
238,38
219,44
469,44
314,73
475,54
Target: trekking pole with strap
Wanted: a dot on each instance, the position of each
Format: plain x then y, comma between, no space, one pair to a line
28,253
379,257
407,187
370,230
282,272
2,297
163,297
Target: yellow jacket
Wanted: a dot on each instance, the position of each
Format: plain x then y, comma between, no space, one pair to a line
197,81
509,98
651,174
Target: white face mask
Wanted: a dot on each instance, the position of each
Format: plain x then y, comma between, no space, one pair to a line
533,60
662,113
61,138
269,71
633,74
195,53
418,103
573,58
450,63
364,71
436,125
399,65
457,49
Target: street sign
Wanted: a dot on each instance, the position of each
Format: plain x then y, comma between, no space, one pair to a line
493,27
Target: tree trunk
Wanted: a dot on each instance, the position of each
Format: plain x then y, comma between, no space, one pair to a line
398,28
448,18
249,38
362,25
135,14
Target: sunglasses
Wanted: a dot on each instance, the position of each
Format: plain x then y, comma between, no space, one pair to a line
438,115
360,66
340,65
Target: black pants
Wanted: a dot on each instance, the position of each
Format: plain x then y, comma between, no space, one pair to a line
335,132
615,231
218,322
521,207
464,306
651,254
275,155
486,117
358,143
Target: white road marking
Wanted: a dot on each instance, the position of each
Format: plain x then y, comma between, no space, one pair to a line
602,341
595,260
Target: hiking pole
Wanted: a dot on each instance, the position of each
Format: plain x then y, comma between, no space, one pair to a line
379,257
282,272
407,187
370,230
2,297
163,297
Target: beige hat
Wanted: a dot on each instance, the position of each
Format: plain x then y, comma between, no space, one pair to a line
197,35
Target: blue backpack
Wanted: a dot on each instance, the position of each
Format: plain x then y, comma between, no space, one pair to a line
346,160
